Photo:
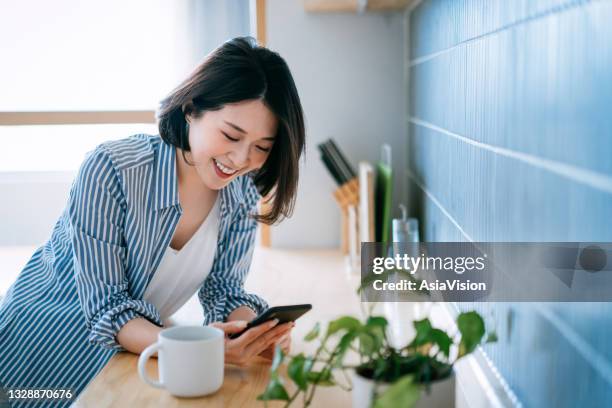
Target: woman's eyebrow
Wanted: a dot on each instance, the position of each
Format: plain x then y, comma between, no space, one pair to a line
241,130
238,128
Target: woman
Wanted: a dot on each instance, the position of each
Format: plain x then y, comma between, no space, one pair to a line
151,220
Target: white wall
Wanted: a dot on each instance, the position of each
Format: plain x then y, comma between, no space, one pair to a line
348,70
30,204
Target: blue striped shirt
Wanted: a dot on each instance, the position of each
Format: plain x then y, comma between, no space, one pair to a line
60,318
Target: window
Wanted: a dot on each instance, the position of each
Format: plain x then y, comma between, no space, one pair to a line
77,73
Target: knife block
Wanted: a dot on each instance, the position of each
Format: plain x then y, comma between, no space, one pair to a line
346,195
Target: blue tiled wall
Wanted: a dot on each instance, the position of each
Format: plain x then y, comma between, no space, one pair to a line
510,139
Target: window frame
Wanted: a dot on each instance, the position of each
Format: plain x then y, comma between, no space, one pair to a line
76,117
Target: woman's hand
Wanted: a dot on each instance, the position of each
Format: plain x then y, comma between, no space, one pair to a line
284,342
252,342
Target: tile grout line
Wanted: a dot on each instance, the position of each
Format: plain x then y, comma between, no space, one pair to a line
593,357
587,177
537,16
437,203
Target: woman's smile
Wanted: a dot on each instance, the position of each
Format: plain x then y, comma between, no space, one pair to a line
223,171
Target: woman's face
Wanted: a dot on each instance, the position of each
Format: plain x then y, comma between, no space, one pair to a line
231,141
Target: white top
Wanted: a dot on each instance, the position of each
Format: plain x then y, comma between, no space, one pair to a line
181,273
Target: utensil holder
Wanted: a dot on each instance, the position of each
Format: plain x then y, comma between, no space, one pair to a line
346,195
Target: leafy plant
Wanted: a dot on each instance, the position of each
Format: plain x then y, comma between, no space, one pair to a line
427,358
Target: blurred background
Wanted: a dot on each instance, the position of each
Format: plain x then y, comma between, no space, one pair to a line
497,114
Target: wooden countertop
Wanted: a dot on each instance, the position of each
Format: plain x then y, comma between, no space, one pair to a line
281,277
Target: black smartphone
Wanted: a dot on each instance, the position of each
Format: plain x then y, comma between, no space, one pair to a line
284,314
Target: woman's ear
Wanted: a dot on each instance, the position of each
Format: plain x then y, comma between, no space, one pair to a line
187,108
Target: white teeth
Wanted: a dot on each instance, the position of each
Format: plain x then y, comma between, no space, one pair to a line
225,170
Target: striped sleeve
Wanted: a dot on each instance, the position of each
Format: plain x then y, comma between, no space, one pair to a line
97,212
223,290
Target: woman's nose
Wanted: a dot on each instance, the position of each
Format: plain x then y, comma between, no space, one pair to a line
240,156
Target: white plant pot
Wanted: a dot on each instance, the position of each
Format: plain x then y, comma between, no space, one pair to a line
441,393
401,316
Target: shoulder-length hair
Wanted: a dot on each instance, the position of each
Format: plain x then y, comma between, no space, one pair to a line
236,71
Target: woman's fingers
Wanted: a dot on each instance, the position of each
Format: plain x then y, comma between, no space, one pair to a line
268,353
254,333
284,342
265,341
286,339
275,335
255,340
268,339
235,326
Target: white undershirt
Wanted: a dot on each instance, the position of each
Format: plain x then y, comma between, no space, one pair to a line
181,273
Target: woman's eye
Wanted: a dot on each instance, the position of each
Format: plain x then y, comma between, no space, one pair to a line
233,139
229,137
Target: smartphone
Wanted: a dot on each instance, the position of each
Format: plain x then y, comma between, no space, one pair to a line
284,314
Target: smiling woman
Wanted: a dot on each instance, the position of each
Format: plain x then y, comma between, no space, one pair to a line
261,80
153,219
242,152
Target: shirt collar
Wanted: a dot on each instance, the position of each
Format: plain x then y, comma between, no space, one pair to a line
166,181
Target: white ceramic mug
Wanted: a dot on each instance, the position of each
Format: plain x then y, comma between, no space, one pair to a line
190,360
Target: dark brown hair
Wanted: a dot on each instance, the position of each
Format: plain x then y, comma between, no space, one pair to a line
236,71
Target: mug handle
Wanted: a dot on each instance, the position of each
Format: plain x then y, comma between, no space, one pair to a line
142,362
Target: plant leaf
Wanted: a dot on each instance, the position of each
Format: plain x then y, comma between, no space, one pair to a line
423,329
274,391
296,371
323,377
472,330
313,333
442,340
422,326
342,347
347,323
402,393
367,344
377,326
381,367
377,321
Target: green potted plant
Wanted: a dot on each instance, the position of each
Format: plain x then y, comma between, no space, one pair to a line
383,376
